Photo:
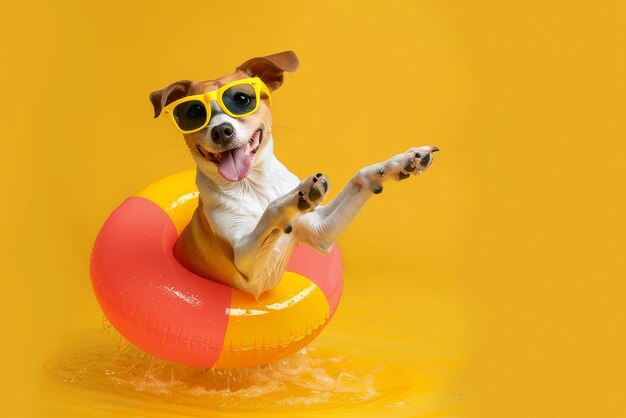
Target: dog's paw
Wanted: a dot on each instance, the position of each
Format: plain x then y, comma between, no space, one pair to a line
311,192
414,161
400,167
307,196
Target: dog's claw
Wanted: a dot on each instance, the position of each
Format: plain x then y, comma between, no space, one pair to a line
377,189
381,172
403,176
325,185
288,229
300,193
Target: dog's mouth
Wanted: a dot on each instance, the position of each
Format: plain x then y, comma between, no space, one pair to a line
234,164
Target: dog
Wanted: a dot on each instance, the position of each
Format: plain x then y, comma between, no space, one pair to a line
252,210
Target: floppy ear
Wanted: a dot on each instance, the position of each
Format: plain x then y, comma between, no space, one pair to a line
271,67
173,92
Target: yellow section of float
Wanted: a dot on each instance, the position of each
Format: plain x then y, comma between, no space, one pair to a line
299,310
177,195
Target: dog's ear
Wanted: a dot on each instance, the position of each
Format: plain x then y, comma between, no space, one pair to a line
173,92
271,67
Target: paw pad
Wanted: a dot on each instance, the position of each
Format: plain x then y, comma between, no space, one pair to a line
314,193
311,192
303,204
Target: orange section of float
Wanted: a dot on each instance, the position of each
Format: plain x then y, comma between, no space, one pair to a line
174,314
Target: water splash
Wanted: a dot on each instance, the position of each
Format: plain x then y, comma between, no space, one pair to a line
308,377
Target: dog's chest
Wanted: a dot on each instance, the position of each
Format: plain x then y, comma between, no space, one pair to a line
253,200
247,199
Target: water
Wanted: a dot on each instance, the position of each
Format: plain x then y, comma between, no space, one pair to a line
366,363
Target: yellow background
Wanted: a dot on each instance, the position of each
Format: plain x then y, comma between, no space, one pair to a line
512,243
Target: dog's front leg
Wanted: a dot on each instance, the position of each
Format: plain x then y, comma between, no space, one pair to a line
256,254
322,227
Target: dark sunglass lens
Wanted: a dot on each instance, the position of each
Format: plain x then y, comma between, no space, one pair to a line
190,115
240,99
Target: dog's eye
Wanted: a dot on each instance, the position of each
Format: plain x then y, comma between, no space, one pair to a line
195,111
241,99
190,115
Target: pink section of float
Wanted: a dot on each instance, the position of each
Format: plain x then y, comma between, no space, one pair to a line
147,295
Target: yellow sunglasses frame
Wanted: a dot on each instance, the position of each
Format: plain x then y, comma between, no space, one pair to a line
257,84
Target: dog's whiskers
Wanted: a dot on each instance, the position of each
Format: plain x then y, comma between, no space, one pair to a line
186,155
284,127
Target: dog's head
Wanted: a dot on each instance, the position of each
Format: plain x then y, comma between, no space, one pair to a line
230,145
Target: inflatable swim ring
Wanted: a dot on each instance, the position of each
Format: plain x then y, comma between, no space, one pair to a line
166,310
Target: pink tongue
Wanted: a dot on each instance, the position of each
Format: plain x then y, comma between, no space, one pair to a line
235,164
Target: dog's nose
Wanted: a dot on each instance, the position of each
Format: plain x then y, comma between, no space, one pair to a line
223,133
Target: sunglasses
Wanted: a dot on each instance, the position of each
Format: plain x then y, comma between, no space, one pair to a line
237,99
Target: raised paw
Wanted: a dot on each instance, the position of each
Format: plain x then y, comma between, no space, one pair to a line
400,167
414,161
311,192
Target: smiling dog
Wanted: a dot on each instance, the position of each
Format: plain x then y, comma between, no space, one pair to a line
252,210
